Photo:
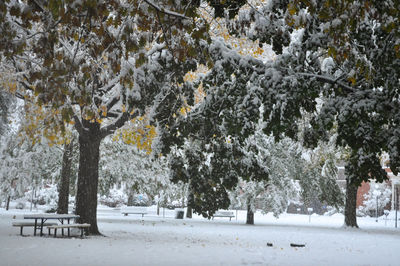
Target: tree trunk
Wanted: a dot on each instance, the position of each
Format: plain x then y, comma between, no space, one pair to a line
88,176
130,199
63,189
189,210
250,214
350,217
8,202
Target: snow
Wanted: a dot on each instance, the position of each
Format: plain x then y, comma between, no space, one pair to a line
158,240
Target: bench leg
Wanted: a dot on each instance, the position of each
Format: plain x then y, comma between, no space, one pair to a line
41,228
21,230
68,230
81,232
55,232
49,230
34,230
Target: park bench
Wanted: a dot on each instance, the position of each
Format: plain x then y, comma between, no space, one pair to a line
29,224
67,226
228,214
134,210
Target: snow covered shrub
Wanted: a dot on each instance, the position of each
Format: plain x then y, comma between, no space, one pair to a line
141,200
116,197
43,196
51,210
379,196
20,205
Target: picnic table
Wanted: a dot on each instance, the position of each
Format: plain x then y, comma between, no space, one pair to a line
41,218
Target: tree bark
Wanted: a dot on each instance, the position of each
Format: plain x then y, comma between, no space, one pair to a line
350,217
63,189
189,210
250,215
130,199
88,175
8,202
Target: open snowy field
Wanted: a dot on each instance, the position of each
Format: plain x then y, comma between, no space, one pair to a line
158,240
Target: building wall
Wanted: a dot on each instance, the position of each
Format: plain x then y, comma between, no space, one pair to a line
362,190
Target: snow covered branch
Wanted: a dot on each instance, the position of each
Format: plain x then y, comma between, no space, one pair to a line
327,80
119,122
165,11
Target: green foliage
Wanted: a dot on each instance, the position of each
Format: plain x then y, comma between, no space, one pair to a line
211,170
343,53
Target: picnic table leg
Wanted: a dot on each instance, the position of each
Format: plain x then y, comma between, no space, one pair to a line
68,229
62,229
21,230
34,230
41,227
55,232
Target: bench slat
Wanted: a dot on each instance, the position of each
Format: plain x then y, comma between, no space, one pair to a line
68,226
30,224
228,214
21,225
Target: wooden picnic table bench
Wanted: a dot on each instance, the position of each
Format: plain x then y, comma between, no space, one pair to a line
67,226
29,224
134,210
228,214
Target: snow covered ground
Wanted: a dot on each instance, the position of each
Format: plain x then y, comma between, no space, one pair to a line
158,240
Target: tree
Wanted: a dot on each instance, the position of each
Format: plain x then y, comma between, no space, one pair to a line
5,104
25,165
66,172
294,174
100,64
138,173
344,52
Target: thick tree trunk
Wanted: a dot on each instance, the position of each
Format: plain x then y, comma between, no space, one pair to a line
250,215
88,176
189,210
350,217
63,189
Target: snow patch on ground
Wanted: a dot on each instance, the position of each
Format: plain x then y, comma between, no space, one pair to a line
164,240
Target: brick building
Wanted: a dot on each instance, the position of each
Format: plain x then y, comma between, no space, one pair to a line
394,182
